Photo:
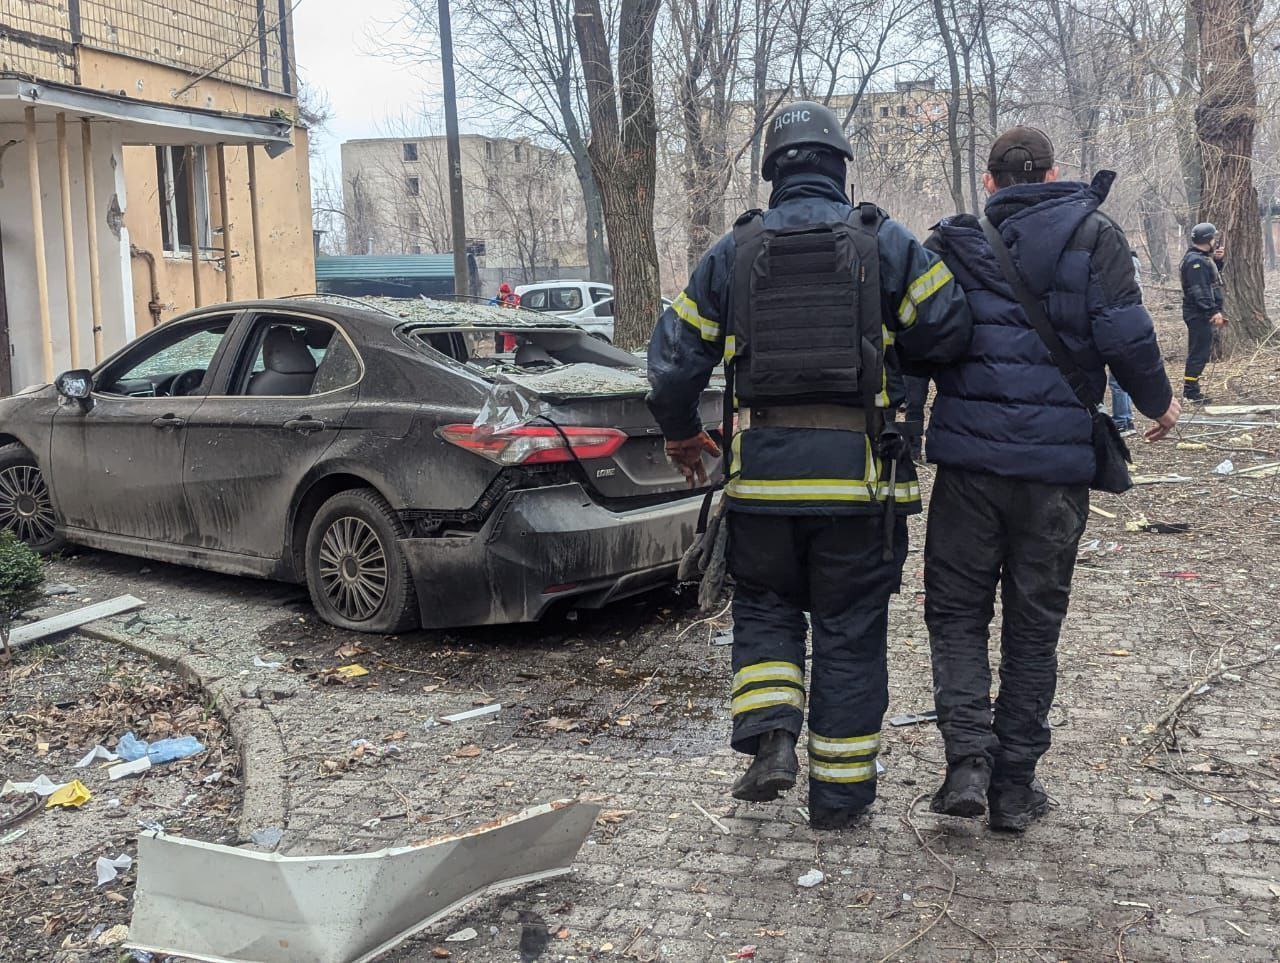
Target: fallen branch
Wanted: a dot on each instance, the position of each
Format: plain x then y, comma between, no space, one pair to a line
1196,787
1120,936
715,822
693,625
951,890
1161,728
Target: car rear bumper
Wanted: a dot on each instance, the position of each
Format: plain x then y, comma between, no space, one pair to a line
545,546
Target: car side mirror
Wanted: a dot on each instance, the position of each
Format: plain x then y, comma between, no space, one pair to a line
76,386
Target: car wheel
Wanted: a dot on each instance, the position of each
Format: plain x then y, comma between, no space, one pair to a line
25,506
357,576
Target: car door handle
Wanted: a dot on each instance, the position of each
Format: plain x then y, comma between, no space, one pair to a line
304,425
169,421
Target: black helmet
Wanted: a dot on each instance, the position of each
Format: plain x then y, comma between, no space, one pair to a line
1203,233
802,124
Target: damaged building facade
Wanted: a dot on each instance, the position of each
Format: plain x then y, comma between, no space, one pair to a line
150,162
523,204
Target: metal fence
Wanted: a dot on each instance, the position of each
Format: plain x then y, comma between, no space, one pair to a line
244,42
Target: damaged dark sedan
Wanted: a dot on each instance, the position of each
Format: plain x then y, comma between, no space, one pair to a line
415,463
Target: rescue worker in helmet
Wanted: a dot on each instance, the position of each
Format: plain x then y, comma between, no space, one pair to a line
809,305
1202,302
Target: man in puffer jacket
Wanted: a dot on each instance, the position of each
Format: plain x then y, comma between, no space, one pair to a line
1014,449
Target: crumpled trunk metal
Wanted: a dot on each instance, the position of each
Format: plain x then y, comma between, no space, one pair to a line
216,903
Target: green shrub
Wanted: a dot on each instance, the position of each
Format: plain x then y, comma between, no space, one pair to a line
21,582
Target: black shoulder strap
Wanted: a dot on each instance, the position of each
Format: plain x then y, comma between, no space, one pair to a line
1061,354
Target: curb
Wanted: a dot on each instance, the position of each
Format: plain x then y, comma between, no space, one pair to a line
254,729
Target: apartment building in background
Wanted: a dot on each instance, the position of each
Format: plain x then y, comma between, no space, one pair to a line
150,161
523,205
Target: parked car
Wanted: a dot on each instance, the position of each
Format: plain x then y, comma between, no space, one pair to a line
594,300
388,455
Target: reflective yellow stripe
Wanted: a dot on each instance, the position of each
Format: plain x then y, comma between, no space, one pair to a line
920,290
768,672
764,698
735,463
852,746
730,347
686,310
819,489
842,772
887,336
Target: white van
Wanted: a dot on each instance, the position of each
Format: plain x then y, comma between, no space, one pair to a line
588,304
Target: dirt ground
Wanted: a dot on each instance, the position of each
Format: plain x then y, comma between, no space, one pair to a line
1165,771
60,701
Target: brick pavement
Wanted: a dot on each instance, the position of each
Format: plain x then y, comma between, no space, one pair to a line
1128,851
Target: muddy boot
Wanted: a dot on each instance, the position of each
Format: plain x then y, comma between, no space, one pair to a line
1016,805
964,793
822,818
773,771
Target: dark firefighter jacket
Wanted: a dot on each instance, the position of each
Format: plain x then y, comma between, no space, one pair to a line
791,470
1201,286
1005,409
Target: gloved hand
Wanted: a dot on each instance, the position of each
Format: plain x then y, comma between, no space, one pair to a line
686,455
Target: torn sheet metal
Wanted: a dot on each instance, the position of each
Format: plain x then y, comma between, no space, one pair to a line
66,621
219,904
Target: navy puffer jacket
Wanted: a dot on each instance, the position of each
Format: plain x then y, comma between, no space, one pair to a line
1005,409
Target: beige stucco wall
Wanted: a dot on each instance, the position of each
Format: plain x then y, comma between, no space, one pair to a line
284,193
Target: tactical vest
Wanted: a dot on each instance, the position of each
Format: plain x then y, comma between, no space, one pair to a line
807,311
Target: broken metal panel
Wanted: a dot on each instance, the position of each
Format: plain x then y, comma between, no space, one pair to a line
66,621
215,903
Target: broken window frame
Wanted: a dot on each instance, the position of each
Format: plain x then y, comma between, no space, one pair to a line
174,223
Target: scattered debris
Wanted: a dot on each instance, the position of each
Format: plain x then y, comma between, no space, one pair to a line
114,936
1140,524
1192,446
1236,834
1101,511
260,663
471,714
462,936
748,952
268,838
1182,576
129,768
1240,409
714,821
109,869
1096,546
1170,479
353,671
66,621
811,878
131,748
12,836
54,589
1260,471
914,718
97,752
42,785
1225,467
190,898
71,796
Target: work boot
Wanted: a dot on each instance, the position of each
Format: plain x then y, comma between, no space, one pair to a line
822,818
773,771
964,792
1016,805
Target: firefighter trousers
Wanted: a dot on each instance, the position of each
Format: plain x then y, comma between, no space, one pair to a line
831,567
1023,536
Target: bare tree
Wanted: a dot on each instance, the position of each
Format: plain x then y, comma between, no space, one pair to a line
518,63
623,150
1226,121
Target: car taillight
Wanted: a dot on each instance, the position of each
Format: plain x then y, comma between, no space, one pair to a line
535,444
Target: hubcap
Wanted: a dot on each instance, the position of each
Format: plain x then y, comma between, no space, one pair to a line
25,508
353,568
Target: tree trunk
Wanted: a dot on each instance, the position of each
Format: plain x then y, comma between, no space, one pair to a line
1226,119
597,253
955,173
1188,142
624,153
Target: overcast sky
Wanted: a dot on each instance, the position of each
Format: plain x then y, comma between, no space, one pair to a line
335,41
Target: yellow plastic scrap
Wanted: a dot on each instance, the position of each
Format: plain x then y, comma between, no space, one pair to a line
73,795
353,671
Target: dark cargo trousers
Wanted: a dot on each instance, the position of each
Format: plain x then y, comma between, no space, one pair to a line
1199,348
985,531
833,568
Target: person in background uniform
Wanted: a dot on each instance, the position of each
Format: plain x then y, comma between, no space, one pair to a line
808,304
1014,449
1201,304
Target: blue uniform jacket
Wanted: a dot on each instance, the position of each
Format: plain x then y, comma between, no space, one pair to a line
1201,286
806,471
